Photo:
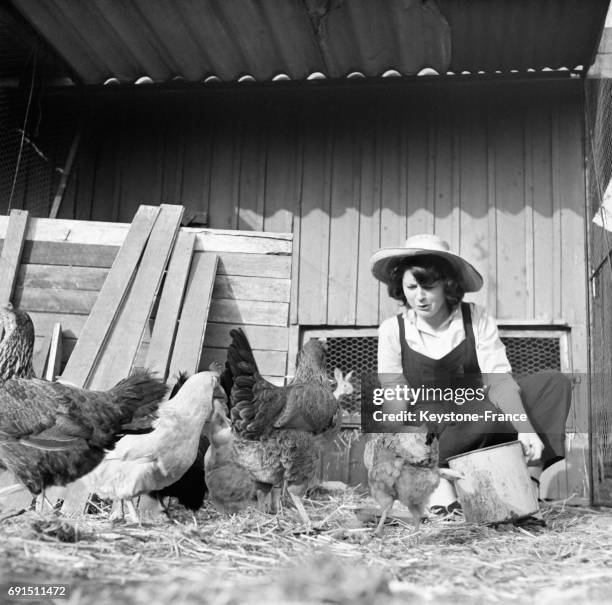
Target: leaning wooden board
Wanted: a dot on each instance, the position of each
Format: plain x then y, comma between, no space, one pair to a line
108,302
119,351
112,347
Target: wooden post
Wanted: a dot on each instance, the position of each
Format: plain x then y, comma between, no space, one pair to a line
11,253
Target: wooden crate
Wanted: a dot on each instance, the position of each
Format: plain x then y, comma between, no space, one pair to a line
64,265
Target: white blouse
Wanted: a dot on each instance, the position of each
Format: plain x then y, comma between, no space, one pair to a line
436,343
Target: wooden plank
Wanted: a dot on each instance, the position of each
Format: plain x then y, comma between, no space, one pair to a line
344,226
420,205
55,300
273,338
280,193
224,163
66,253
194,316
41,352
223,310
198,141
541,187
55,354
314,223
90,255
393,208
510,196
108,302
293,349
474,223
369,219
11,253
446,209
168,312
69,277
529,213
254,265
114,234
297,230
273,363
252,177
252,288
238,241
72,325
127,330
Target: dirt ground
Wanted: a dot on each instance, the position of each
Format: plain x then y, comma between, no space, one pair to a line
255,558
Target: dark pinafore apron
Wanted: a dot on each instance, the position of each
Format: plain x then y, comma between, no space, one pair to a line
457,369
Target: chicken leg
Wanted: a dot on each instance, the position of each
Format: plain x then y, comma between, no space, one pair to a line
296,492
383,518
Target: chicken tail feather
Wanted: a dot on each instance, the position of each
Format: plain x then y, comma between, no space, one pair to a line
138,398
240,356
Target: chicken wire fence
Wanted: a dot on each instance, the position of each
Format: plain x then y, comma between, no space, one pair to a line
35,139
527,353
598,109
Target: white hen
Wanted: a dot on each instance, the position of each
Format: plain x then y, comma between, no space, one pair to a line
143,463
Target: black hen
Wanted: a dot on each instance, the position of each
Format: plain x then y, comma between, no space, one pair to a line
52,434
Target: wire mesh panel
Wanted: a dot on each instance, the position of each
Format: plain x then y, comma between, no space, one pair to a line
357,354
530,354
527,353
598,106
35,138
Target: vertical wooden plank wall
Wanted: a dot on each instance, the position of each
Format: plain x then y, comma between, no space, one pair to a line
483,164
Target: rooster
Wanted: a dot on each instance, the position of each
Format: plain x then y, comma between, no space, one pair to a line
278,430
404,467
150,462
52,433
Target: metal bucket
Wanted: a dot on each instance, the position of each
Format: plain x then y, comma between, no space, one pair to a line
496,487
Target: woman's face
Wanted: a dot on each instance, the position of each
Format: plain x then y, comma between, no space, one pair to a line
428,302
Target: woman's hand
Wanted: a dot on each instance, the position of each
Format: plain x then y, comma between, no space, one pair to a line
532,445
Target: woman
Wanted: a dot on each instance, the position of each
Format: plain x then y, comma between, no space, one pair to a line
439,341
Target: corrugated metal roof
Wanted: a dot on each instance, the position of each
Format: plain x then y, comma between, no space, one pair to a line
231,40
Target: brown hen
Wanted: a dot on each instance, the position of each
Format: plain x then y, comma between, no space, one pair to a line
278,430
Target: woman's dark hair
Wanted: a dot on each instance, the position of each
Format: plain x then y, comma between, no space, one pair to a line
427,270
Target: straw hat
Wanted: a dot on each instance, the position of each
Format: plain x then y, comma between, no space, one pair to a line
383,261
